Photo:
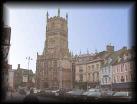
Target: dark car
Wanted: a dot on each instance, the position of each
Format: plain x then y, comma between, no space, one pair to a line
31,98
41,93
22,92
121,96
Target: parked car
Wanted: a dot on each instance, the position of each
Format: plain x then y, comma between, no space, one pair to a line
41,93
93,95
107,93
93,89
121,96
89,91
22,91
75,93
55,92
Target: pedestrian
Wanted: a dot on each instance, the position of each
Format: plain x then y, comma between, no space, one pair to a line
31,98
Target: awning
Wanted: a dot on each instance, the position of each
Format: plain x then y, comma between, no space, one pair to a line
127,85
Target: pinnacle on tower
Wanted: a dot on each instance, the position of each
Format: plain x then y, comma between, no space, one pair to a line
80,52
87,51
67,16
59,12
47,15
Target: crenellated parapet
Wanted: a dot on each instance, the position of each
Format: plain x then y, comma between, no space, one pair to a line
55,18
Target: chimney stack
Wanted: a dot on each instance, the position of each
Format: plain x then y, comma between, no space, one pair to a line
18,66
110,48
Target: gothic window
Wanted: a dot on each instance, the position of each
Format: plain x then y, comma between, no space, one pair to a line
55,64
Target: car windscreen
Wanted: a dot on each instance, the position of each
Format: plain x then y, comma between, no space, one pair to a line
120,94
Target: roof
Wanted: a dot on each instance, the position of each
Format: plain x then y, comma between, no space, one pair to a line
25,71
120,56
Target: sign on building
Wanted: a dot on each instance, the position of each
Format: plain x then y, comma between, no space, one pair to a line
25,78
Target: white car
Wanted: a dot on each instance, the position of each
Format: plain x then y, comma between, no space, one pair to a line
55,92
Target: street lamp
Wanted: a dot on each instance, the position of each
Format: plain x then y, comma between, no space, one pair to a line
28,58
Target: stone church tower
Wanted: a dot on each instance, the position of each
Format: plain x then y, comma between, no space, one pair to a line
53,67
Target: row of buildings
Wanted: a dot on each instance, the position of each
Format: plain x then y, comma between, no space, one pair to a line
58,68
108,70
20,77
13,78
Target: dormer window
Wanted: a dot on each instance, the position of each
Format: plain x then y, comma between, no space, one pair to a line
125,57
119,59
109,60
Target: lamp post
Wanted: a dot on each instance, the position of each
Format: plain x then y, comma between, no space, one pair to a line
28,58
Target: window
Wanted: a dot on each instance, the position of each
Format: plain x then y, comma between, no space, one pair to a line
88,76
102,81
131,65
117,69
125,67
105,70
92,66
109,70
114,80
105,79
88,67
121,68
97,66
81,78
80,69
117,79
122,79
55,63
126,78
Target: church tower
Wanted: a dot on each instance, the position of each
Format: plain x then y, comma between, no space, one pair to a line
56,44
54,65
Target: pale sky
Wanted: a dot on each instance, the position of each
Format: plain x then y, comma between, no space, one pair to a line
91,27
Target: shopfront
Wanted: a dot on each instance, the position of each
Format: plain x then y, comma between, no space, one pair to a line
128,86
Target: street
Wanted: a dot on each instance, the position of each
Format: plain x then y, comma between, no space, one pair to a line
16,97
